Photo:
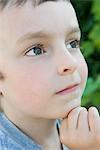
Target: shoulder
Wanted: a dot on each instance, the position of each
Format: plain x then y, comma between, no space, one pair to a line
7,143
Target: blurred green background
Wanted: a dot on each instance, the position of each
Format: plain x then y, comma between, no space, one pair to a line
88,13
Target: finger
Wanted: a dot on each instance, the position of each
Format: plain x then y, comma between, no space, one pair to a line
63,130
94,120
73,117
64,124
83,122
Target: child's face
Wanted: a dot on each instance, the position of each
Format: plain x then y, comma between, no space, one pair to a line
32,79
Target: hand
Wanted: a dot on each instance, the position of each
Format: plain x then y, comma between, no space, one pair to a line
80,130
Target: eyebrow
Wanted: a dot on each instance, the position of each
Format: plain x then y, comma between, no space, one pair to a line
43,34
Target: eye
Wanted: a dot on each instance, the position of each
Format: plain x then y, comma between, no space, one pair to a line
73,44
36,50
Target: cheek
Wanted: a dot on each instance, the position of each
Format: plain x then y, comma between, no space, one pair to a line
83,70
30,89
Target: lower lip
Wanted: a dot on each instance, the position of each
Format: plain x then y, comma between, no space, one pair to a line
69,90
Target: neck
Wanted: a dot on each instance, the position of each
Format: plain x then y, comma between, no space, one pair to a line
42,131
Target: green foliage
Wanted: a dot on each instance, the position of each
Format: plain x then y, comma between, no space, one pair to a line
88,13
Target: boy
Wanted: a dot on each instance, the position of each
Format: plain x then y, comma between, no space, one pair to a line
42,78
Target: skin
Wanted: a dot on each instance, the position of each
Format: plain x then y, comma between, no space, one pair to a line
81,129
29,96
34,80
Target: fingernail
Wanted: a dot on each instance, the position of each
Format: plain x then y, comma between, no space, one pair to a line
84,108
95,111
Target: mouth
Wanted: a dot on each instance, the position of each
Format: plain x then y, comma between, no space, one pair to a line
71,88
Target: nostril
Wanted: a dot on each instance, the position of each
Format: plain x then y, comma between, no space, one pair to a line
65,70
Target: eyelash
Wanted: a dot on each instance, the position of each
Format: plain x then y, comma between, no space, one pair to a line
38,47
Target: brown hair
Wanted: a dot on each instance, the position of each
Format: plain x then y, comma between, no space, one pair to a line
4,3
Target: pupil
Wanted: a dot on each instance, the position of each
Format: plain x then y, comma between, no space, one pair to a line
73,44
37,50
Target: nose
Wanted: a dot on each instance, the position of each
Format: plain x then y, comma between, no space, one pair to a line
66,63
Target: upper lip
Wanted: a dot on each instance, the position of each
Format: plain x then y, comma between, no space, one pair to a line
68,87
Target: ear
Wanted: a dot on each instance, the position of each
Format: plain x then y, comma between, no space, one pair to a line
1,94
1,79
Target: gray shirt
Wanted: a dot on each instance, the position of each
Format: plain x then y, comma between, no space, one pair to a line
11,138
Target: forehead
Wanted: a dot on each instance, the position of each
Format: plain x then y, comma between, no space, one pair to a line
55,17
